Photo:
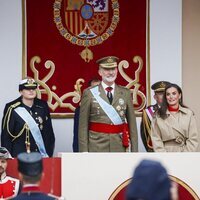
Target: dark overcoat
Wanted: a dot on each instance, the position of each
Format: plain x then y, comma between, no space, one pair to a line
12,136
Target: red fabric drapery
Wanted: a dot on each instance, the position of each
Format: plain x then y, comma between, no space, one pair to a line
55,52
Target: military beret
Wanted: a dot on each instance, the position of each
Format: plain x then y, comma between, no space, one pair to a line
4,153
30,164
28,84
159,86
150,181
108,62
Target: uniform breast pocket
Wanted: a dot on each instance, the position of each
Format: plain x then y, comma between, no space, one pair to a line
95,108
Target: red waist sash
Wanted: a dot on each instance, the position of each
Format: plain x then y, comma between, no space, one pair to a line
106,128
112,129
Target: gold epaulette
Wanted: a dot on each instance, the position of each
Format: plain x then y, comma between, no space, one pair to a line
146,127
9,111
7,118
146,121
15,104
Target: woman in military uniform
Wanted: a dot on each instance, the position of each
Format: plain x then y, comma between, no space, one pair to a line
174,127
26,124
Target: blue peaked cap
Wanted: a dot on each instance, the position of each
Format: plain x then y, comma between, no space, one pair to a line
150,182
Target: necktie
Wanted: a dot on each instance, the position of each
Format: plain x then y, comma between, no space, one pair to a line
109,94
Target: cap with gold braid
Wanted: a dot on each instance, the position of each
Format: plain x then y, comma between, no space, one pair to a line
108,62
28,84
159,86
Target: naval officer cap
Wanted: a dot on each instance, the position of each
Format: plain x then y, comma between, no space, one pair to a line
4,153
108,62
150,182
159,86
30,164
28,84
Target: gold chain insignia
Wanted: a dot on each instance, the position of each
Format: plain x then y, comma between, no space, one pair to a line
86,22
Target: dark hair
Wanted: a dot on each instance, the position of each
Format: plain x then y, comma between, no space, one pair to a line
162,110
93,80
32,179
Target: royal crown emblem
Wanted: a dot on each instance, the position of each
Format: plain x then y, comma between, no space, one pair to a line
30,81
87,22
162,85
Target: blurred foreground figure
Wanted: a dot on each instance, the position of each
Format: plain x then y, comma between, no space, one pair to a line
30,169
151,182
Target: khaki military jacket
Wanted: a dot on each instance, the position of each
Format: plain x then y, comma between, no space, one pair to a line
145,126
91,111
177,133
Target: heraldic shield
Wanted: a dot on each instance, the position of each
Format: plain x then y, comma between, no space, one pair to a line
87,19
70,35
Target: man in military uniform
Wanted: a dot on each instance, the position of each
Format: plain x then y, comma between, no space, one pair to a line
9,187
107,121
26,124
148,113
92,82
30,169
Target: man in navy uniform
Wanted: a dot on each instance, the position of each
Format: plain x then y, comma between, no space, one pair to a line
107,120
30,169
9,186
26,124
148,113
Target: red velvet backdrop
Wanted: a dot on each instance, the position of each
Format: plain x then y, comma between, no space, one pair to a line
52,35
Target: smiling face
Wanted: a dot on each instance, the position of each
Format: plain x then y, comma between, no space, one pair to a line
108,75
173,97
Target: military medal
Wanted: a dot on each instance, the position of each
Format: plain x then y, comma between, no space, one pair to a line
40,120
118,108
121,113
98,112
121,101
41,127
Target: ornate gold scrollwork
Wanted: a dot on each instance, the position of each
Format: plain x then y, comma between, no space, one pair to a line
133,84
44,88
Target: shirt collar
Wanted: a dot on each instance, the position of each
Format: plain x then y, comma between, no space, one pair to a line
105,86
